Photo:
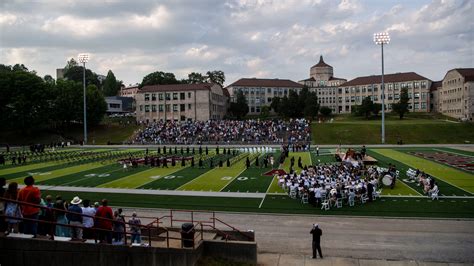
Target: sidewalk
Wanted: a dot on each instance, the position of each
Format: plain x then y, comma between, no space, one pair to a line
275,259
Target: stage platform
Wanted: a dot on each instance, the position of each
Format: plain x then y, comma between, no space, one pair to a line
368,160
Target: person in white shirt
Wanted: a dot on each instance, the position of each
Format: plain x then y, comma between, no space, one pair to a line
88,222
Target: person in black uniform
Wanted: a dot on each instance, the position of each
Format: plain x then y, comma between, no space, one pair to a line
370,191
317,233
247,163
165,163
192,161
207,151
183,163
200,163
211,165
164,149
228,162
200,150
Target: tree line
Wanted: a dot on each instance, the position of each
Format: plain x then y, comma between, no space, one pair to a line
29,102
368,108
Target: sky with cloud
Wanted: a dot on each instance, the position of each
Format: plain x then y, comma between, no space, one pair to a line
244,38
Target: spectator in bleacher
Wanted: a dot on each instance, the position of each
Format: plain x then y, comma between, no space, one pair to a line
74,217
119,225
87,222
46,215
32,195
12,209
103,221
60,217
135,223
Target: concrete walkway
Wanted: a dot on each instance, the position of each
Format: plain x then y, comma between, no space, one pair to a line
272,259
356,238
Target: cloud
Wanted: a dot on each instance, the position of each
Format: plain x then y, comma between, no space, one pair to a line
244,38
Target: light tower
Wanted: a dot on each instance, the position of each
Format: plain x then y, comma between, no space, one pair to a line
84,58
381,39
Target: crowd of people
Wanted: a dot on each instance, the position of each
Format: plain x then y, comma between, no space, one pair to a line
26,211
225,131
334,183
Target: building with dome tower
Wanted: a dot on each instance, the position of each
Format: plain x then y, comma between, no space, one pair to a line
322,81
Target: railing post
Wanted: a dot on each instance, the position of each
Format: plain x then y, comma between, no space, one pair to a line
125,232
168,239
202,237
149,236
192,217
171,217
214,219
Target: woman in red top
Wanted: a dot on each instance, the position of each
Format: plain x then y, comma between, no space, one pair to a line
30,194
106,224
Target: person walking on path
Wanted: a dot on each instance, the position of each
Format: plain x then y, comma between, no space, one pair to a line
316,232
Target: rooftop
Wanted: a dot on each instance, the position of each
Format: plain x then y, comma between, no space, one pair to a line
467,73
177,87
321,63
388,78
255,82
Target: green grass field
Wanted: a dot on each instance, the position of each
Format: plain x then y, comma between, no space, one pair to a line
417,130
97,171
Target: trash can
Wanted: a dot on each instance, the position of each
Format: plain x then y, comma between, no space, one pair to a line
187,235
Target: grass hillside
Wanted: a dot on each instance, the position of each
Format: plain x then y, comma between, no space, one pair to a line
415,129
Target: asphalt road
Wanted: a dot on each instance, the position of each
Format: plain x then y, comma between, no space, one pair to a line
360,238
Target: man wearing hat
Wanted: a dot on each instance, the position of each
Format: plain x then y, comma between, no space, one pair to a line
316,232
75,219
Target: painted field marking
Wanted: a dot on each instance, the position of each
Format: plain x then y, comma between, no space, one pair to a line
460,154
245,168
153,179
81,179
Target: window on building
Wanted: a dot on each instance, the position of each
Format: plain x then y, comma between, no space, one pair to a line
168,108
160,108
364,90
357,90
175,108
352,99
168,96
147,108
160,96
417,106
153,108
423,84
389,86
339,90
182,96
397,86
346,90
182,107
175,96
147,97
417,95
423,105
416,84
396,96
410,95
189,106
141,108
114,105
153,97
375,98
189,95
390,96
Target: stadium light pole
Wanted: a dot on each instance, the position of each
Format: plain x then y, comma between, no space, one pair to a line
84,58
381,39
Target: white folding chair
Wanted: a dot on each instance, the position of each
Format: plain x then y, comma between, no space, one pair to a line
363,198
351,201
304,198
339,203
434,195
293,194
325,205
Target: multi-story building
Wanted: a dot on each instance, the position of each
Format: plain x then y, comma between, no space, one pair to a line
354,91
117,104
434,96
456,95
128,91
323,82
181,102
259,92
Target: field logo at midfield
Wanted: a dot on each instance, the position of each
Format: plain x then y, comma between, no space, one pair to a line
98,175
39,173
227,178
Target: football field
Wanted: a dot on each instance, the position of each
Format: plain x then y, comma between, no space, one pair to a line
224,182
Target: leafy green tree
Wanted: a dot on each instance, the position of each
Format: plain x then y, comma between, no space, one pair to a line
311,105
70,64
376,108
401,108
75,73
264,112
111,85
195,77
239,108
68,102
294,109
325,111
216,76
24,99
275,105
96,105
365,109
49,79
159,78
